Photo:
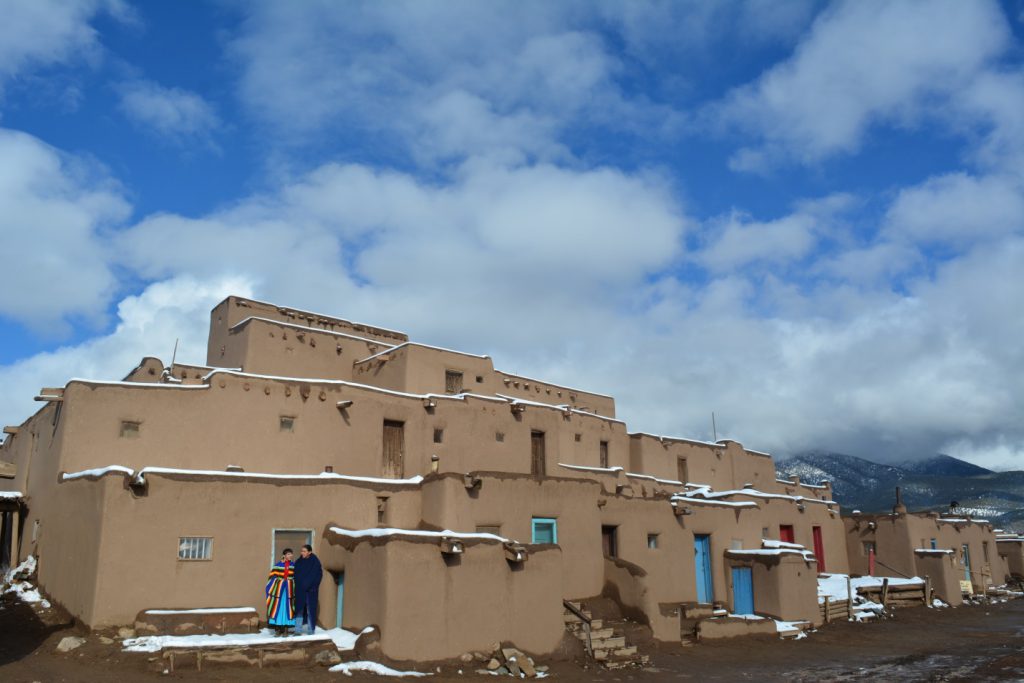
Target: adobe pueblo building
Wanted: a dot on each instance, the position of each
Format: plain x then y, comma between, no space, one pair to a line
452,504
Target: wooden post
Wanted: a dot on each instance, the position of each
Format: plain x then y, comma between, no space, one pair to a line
849,598
927,590
885,591
828,607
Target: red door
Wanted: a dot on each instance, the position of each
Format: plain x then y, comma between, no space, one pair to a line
819,549
786,533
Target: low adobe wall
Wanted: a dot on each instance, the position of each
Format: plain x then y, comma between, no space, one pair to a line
430,606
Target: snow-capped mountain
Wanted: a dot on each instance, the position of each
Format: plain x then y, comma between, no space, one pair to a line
930,484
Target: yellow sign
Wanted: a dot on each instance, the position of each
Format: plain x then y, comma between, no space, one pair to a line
966,587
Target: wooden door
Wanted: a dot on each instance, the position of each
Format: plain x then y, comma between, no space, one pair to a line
393,466
538,465
702,560
742,590
603,454
819,549
681,472
786,533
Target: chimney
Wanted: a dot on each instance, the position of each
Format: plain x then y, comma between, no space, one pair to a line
899,508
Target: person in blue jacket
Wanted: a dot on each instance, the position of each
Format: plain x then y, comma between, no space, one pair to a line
308,574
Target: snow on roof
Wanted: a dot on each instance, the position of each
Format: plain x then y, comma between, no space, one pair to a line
933,551
424,346
772,543
557,386
661,437
668,482
562,407
97,472
718,503
328,476
344,640
771,552
962,520
793,483
202,610
1013,539
384,533
754,493
305,327
158,385
584,468
11,495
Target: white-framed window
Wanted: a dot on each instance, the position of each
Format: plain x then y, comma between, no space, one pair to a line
195,548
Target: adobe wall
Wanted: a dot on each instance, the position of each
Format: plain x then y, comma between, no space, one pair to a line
138,564
944,573
785,587
667,575
894,547
283,349
234,310
432,607
62,532
979,538
511,502
723,466
1012,552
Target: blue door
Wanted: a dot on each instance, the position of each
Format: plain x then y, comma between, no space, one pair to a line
702,557
341,599
742,591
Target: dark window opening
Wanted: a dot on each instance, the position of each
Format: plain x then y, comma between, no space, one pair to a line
609,541
604,454
452,382
438,435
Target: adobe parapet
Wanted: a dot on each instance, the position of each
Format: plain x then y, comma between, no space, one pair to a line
235,309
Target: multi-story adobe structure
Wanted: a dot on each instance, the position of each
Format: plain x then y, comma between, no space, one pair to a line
452,504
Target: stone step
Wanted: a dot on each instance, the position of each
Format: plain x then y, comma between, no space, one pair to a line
608,643
627,651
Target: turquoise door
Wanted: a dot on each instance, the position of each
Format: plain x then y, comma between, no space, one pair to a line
702,558
742,590
341,599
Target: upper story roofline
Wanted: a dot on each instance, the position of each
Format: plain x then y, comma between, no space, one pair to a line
311,316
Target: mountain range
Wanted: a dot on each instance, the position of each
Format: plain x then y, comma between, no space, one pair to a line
929,484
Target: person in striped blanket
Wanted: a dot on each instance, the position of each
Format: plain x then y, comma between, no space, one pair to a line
281,594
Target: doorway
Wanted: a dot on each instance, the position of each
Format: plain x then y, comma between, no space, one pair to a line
702,560
967,562
742,590
393,466
609,541
786,533
819,548
538,459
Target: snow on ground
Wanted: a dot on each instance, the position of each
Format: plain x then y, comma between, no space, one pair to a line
372,667
344,640
22,589
833,586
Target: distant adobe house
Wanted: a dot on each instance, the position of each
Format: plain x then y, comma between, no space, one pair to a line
452,504
948,549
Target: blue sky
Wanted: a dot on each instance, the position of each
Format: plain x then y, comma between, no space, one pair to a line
807,217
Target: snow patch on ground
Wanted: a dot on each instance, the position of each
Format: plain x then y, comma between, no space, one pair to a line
344,640
14,583
372,667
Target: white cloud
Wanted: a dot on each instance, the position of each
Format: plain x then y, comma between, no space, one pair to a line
44,32
148,325
863,62
957,209
55,209
171,112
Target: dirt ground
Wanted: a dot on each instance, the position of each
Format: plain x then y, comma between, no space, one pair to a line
977,643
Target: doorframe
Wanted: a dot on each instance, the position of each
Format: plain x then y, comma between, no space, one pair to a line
273,536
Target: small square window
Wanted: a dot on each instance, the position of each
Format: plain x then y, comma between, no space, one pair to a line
764,532
499,437
438,435
129,430
195,548
287,424
579,437
479,379
452,382
652,541
545,530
